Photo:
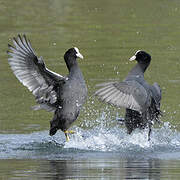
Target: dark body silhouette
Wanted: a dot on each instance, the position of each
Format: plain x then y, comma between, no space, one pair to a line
63,95
141,100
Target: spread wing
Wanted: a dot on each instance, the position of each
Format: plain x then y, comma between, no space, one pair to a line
32,73
127,94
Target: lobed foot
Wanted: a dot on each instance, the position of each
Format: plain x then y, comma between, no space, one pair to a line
66,132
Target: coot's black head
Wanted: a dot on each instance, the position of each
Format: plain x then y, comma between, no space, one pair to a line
141,57
71,55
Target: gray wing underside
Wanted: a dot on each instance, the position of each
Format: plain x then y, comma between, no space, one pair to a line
127,94
33,74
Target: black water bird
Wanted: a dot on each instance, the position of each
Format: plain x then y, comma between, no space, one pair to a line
63,95
141,100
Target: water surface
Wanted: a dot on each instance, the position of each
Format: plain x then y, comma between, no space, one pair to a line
107,34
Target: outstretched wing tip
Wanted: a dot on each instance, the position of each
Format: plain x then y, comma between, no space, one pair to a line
30,74
14,39
9,45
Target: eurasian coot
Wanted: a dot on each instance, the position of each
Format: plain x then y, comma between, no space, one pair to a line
141,100
59,94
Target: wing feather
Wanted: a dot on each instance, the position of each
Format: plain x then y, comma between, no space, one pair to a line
127,94
27,67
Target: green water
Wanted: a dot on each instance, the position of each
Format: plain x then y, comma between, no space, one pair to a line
65,169
107,34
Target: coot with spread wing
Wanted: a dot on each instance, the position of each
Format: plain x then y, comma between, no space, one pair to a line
141,100
63,95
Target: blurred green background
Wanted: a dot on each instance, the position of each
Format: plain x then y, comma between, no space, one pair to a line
107,34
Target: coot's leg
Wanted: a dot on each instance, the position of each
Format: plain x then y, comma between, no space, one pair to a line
121,120
149,133
67,132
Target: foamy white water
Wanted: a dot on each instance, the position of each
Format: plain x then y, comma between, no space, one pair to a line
114,141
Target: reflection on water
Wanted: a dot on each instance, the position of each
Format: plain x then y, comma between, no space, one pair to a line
93,168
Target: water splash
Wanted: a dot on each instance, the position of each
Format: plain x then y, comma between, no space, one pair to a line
112,141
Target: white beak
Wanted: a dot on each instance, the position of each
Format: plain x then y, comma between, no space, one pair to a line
132,58
78,54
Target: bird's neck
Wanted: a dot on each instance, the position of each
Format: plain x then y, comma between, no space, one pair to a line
139,69
74,71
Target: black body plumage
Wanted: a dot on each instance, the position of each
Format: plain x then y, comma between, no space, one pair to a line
141,100
63,95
